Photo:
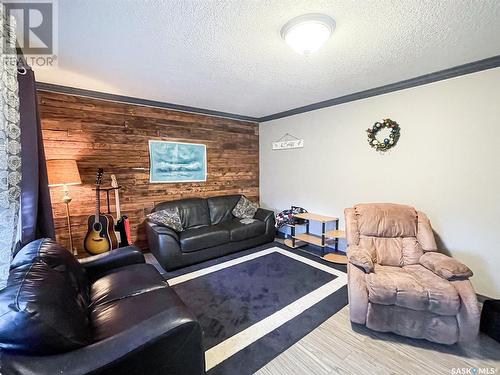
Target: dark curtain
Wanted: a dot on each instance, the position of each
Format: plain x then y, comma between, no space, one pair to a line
36,209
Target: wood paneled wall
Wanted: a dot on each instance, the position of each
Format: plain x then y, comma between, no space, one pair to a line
114,136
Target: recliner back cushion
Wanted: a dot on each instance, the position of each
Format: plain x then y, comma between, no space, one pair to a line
193,211
389,232
220,208
398,252
386,220
57,257
43,308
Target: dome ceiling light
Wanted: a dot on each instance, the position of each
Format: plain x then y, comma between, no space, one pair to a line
307,33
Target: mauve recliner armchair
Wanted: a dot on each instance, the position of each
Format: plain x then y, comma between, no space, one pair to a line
399,282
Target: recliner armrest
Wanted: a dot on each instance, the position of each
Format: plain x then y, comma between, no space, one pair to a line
263,214
98,265
361,258
167,343
444,266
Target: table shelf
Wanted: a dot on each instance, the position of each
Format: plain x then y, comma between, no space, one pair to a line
316,217
313,239
294,244
336,258
336,233
324,239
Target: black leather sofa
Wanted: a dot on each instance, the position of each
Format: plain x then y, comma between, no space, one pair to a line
108,314
210,231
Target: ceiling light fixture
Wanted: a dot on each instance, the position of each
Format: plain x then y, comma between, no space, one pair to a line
307,33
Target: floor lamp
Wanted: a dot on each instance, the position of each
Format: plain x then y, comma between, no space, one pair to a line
64,172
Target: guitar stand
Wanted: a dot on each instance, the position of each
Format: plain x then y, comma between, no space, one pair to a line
107,190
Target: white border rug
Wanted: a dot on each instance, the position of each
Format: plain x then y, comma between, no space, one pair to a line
241,340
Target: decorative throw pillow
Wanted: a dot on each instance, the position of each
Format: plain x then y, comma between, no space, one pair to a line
245,209
169,218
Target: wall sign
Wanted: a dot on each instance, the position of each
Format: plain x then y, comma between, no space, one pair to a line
282,144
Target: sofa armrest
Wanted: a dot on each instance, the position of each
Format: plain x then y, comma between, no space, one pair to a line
159,229
164,244
98,265
267,216
361,258
167,343
444,266
263,214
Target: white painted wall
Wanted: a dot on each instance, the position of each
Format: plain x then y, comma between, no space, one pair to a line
447,164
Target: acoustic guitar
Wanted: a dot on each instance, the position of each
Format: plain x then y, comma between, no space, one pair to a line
100,236
122,227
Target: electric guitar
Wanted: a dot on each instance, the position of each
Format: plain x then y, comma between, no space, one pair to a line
100,236
122,226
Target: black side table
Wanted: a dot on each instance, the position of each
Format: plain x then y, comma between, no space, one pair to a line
490,319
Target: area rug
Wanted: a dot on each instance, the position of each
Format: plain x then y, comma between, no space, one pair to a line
254,305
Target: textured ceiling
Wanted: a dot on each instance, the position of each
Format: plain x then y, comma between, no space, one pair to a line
228,56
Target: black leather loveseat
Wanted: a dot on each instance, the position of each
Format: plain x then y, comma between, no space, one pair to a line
210,231
109,314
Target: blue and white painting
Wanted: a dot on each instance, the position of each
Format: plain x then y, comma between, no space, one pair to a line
177,162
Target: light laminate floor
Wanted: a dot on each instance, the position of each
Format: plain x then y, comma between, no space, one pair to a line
336,348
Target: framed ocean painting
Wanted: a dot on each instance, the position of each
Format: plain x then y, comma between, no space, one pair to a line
172,162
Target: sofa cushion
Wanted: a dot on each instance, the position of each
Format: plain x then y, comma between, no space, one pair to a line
111,318
193,211
125,282
203,237
220,208
239,231
43,308
413,287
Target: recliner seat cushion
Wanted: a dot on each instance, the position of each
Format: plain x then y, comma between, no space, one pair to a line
220,208
239,231
43,308
413,287
126,282
203,237
113,317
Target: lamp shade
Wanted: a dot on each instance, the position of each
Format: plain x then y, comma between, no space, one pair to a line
63,172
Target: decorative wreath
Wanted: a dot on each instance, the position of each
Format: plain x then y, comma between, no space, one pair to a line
387,143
